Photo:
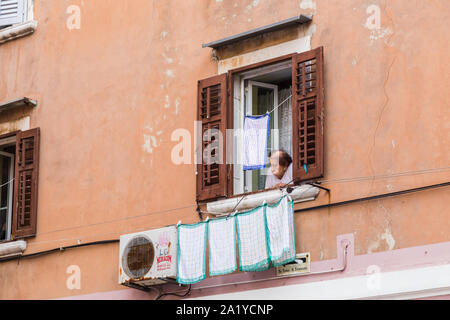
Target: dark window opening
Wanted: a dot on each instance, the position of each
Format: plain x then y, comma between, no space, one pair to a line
7,164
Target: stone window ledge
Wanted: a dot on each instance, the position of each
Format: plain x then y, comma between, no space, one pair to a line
17,31
13,248
224,207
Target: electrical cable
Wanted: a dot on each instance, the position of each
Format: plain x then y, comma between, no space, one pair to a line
36,254
342,269
387,176
343,180
380,196
174,294
119,220
392,194
82,245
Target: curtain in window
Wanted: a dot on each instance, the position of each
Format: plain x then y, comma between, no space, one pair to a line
285,120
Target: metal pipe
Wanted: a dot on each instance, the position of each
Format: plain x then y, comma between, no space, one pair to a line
31,255
281,277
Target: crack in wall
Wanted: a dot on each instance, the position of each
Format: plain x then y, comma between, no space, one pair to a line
387,236
381,113
383,108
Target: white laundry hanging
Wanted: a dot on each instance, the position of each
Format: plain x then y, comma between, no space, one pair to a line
222,246
252,240
192,253
281,232
256,137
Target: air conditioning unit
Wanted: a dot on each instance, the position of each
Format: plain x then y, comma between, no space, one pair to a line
148,258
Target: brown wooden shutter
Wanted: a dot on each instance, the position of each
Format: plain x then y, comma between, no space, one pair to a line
26,184
307,115
212,112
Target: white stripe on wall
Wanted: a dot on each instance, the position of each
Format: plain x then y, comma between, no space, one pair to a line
406,284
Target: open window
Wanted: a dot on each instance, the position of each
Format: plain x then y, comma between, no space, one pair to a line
19,164
260,91
7,164
290,88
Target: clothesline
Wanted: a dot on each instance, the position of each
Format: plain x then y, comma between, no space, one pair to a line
278,105
222,215
285,192
7,183
264,235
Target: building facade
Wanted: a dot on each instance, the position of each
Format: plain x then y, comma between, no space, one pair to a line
101,102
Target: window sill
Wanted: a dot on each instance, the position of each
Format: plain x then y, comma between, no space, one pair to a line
223,207
13,248
17,31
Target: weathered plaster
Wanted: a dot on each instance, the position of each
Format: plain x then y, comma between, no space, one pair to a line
100,93
15,125
19,30
298,45
385,236
308,4
368,267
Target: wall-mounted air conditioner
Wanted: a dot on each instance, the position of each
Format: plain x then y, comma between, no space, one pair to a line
148,258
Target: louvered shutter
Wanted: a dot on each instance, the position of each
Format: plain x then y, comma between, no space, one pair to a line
212,113
26,184
307,115
12,12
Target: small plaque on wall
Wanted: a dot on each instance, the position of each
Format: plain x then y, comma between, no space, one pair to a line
300,265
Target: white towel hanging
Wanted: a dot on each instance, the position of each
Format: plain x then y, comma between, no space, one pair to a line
256,137
191,253
222,246
280,226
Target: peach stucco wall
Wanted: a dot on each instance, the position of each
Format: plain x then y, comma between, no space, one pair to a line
111,93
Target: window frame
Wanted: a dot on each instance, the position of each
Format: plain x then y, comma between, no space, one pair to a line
230,114
22,164
4,141
10,194
307,120
275,139
20,29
